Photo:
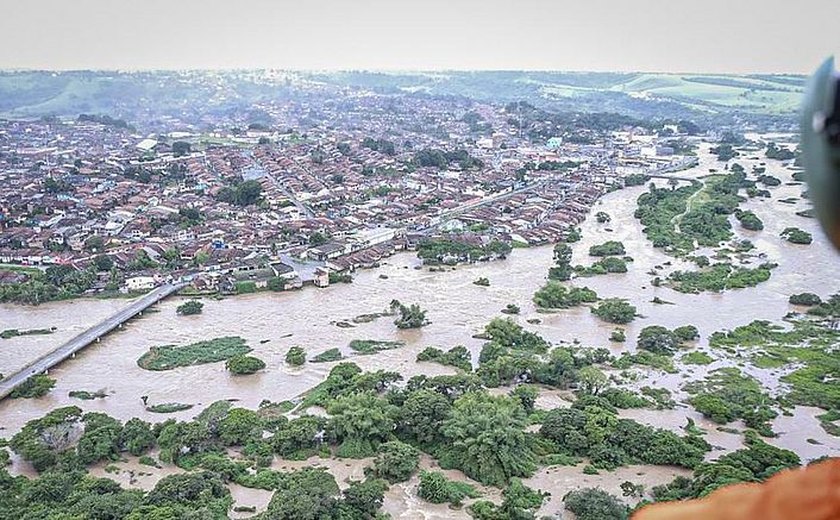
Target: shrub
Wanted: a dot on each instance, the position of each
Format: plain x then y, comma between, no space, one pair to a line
437,489
410,317
796,236
296,356
190,307
615,310
328,355
396,461
148,461
609,248
84,395
168,407
458,357
658,339
371,346
687,333
244,365
555,295
697,358
340,277
595,504
749,220
806,298
36,386
246,287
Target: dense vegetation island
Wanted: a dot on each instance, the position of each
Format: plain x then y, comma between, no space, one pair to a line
168,357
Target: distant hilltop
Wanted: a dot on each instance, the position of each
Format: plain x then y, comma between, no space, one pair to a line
137,96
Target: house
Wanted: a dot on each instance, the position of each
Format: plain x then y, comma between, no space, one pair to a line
147,145
322,277
139,283
282,270
326,251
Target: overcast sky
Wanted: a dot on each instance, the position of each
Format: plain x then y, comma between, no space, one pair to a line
625,35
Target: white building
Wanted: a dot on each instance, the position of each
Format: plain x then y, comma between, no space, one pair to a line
140,283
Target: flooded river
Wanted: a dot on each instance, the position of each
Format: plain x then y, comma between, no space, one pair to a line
457,309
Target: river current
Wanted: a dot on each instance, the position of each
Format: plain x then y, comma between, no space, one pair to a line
457,309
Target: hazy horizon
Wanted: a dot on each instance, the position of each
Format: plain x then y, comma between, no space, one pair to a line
654,36
393,71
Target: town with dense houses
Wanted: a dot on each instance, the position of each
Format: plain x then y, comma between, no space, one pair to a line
304,192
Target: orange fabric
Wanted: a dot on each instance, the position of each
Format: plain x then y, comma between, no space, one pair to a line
810,493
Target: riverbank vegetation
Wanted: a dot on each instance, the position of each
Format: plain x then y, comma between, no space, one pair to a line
454,249
58,282
635,179
645,358
658,208
696,358
336,277
615,441
595,504
437,489
167,357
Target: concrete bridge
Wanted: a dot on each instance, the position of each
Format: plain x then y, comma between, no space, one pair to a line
91,335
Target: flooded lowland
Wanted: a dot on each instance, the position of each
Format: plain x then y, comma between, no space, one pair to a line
271,323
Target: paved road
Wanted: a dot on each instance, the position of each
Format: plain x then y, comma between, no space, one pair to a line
288,193
87,337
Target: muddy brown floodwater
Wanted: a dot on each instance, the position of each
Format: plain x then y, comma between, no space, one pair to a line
273,322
